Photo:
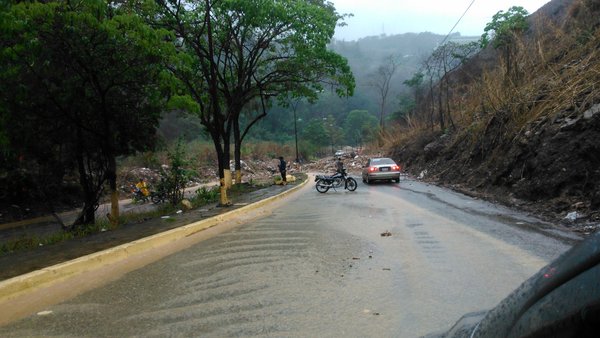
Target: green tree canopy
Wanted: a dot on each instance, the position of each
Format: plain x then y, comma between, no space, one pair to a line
361,127
503,26
315,133
502,31
80,82
235,51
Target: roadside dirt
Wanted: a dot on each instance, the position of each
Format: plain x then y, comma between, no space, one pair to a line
550,168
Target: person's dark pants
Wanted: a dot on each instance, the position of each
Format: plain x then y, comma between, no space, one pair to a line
283,175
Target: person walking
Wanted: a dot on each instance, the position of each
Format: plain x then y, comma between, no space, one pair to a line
283,169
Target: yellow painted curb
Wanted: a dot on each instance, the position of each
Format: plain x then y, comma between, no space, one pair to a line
20,286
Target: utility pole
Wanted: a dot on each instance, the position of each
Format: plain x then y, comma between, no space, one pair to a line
294,105
296,135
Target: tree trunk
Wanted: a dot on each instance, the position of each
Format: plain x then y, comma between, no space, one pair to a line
223,200
114,192
223,162
225,177
441,109
219,132
448,113
90,198
431,103
237,151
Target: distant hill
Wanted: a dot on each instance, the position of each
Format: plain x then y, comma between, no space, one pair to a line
367,54
364,57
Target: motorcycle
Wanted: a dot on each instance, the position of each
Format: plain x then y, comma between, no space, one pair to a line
138,196
324,182
158,197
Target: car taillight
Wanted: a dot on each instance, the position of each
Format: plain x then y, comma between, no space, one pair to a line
372,169
395,167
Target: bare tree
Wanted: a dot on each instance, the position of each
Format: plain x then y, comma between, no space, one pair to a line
448,57
439,66
381,80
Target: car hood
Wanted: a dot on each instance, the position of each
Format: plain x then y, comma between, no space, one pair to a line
463,327
564,291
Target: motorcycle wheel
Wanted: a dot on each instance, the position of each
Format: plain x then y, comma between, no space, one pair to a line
322,186
156,198
351,184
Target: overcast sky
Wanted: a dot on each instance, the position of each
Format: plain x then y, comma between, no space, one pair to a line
374,17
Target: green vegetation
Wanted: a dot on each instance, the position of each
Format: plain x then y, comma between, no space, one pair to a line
504,26
173,180
26,242
233,53
503,32
219,81
84,84
204,196
80,85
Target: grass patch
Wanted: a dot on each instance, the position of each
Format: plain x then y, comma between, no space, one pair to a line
205,196
29,242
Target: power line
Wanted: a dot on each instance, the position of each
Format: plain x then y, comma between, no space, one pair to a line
457,22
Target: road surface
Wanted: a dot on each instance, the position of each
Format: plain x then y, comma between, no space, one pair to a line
318,266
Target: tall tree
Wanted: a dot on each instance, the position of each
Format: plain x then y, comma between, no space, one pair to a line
89,74
272,48
244,50
503,30
196,66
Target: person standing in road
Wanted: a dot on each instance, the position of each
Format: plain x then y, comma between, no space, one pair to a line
339,165
283,169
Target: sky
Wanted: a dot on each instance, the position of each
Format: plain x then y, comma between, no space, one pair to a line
376,17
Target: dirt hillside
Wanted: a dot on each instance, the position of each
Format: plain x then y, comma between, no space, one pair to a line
531,140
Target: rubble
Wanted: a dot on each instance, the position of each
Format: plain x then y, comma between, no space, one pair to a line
253,170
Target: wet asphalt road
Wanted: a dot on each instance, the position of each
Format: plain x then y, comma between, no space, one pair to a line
319,267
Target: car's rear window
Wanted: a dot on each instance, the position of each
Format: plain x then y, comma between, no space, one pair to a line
382,161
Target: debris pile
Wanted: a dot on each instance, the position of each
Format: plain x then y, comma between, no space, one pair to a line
326,165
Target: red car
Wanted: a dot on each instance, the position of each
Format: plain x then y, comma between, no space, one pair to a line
379,169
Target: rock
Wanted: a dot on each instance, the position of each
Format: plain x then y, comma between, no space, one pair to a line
588,114
432,149
569,124
187,204
572,216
